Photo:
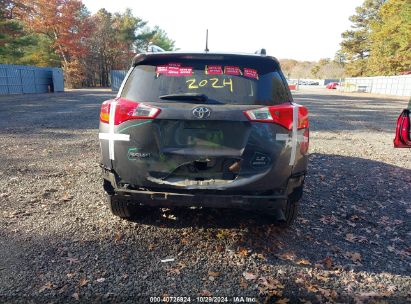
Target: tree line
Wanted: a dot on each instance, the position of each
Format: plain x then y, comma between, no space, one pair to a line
379,41
377,44
63,33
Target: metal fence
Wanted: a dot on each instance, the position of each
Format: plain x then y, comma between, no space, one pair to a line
19,79
388,85
117,77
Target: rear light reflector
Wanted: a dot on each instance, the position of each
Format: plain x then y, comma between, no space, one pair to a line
105,111
127,110
304,144
280,114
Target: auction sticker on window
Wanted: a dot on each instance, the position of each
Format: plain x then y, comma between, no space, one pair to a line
186,71
161,69
232,70
250,73
214,70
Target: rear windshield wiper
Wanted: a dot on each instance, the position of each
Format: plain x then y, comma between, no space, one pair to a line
185,97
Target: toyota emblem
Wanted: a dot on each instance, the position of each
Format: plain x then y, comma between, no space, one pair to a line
201,112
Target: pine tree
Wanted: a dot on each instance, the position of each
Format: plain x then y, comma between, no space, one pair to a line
356,44
390,52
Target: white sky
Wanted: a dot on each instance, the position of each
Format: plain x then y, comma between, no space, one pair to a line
298,29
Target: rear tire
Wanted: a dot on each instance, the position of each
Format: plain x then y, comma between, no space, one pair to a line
119,206
290,210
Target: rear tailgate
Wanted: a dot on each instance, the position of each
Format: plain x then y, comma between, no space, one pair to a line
222,149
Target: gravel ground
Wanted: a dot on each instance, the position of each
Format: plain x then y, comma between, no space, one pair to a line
60,243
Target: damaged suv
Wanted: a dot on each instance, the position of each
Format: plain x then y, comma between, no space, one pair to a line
206,130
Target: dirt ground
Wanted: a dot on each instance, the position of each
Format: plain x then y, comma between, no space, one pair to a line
60,243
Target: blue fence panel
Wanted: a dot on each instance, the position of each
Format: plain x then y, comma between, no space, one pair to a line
28,80
58,80
17,79
117,77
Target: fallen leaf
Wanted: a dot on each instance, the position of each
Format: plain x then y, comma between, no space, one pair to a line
290,256
311,288
73,260
328,262
249,276
303,262
151,247
243,283
48,285
67,197
391,288
118,237
350,237
243,252
354,256
282,301
83,282
213,274
205,293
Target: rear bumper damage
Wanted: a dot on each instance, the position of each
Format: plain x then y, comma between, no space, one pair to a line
201,198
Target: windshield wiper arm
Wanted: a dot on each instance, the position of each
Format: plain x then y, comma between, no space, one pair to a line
185,96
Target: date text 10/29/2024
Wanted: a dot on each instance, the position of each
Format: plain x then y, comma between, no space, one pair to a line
203,299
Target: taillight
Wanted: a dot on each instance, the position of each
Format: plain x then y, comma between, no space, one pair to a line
127,110
403,131
280,114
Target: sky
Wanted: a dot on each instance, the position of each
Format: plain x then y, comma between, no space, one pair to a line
297,29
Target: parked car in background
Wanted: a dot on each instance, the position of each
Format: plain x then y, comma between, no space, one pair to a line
403,131
204,130
332,85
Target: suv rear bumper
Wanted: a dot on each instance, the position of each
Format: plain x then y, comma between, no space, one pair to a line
199,199
170,199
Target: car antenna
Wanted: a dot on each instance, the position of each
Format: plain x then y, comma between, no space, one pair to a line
206,48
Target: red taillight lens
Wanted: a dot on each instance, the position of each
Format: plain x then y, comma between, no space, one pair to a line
403,131
281,114
127,110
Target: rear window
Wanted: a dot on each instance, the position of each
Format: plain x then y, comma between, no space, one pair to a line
221,81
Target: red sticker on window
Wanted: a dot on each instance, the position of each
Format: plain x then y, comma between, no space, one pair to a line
161,69
214,70
186,71
251,73
232,70
173,71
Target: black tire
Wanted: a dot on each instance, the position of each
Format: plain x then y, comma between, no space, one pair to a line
290,210
119,206
290,213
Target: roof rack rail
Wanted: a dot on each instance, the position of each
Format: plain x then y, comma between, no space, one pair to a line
152,48
261,52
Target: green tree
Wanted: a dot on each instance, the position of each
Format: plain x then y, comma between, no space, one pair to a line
390,52
155,36
356,44
13,36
